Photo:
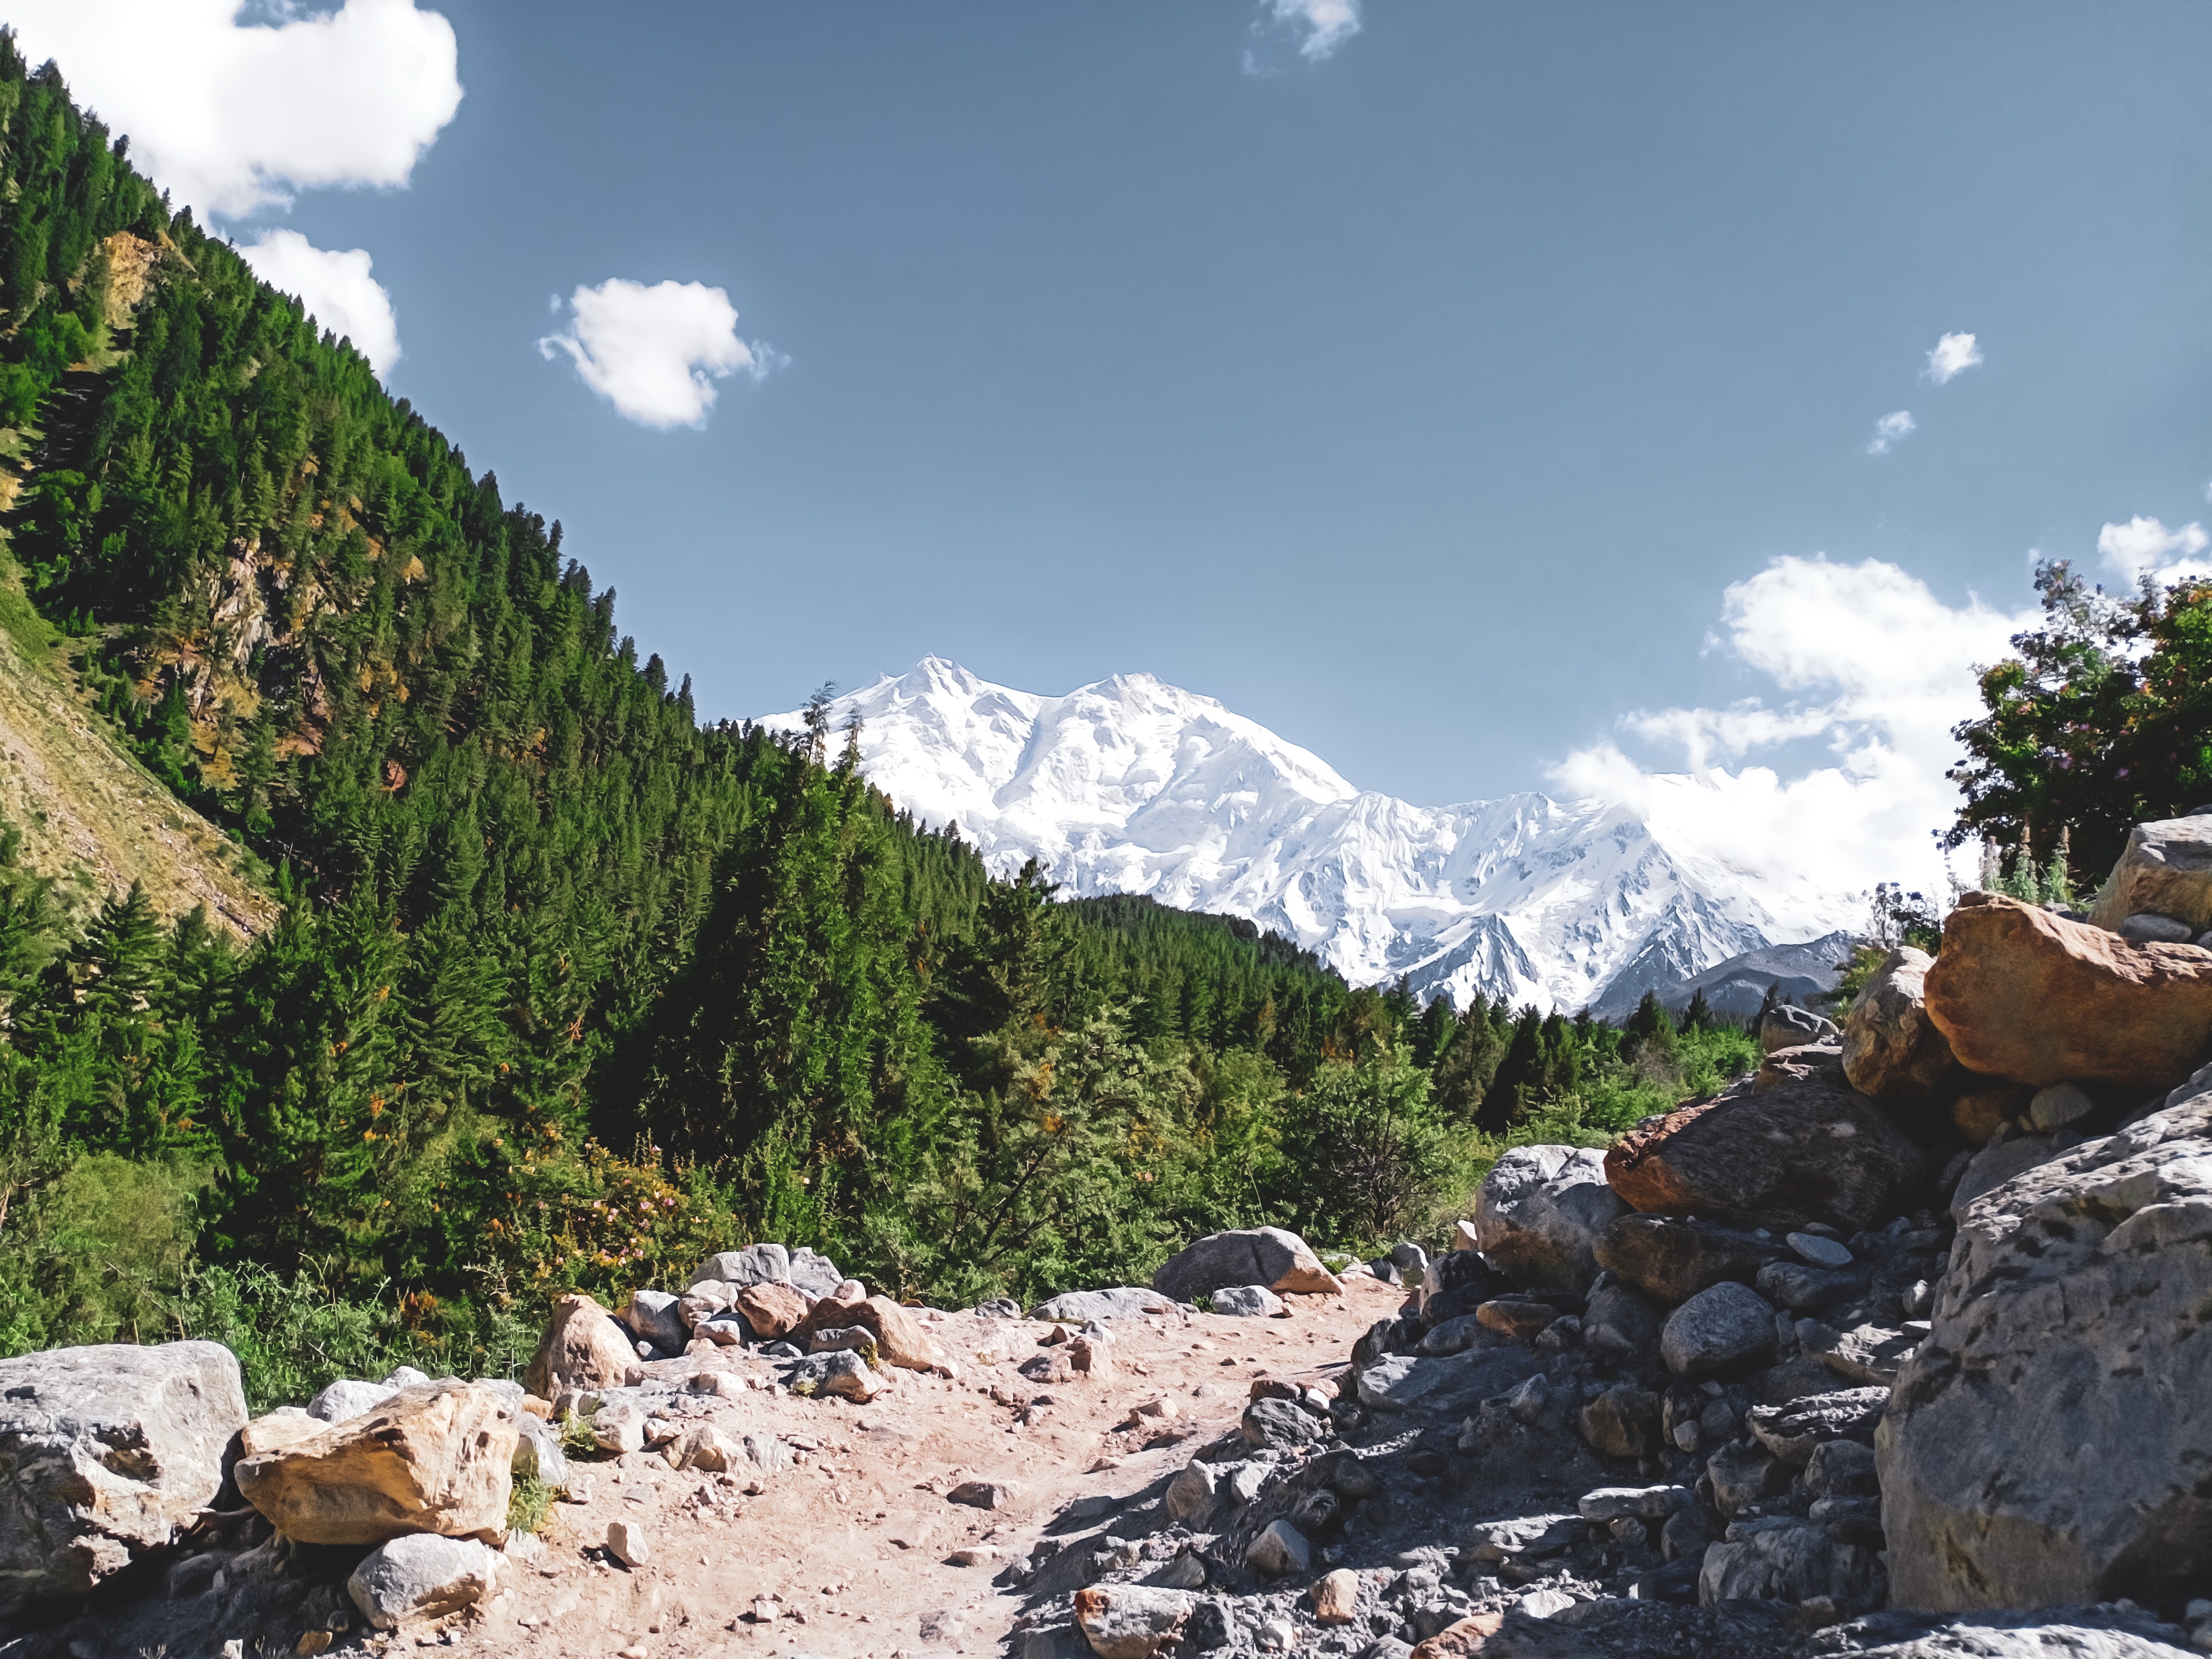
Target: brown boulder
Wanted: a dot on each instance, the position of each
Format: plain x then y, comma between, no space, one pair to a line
2166,869
1672,1258
774,1309
1807,1150
583,1348
1892,1050
900,1339
1982,1111
2024,995
435,1458
1467,1637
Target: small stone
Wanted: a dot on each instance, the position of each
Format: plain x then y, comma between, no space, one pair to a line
1544,1603
1531,1400
1186,1571
1278,1551
1821,1252
1090,1508
313,1642
1336,1597
2059,1106
973,1555
1191,1495
985,1494
628,1543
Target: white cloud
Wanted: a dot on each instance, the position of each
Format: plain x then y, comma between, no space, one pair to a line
2144,544
229,117
1872,664
656,352
1326,24
1891,430
1954,356
336,287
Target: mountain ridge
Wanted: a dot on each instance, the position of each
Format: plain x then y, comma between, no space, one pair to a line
1131,784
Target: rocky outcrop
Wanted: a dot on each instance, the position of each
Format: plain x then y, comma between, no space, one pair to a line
1256,1256
1810,1149
438,1458
2165,870
2024,995
2047,1442
583,1348
1892,1052
1540,1212
106,1453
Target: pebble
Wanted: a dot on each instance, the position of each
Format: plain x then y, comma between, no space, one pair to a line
1821,1252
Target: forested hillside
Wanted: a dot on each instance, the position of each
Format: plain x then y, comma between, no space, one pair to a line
569,987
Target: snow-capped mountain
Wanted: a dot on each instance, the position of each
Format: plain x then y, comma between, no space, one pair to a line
1134,785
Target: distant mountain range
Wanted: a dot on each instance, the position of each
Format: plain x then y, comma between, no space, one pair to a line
1134,785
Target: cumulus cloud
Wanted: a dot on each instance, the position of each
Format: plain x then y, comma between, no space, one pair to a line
1954,354
2144,544
1866,662
231,117
1891,430
335,286
1324,24
655,353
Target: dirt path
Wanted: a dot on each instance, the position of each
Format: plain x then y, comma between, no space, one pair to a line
857,1539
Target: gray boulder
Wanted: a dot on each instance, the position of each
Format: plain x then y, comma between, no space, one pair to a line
1777,1558
817,1275
657,1317
1993,1166
2065,1352
2166,869
2144,928
1722,1329
1254,1255
1892,1050
1617,1320
757,1264
347,1398
1794,1432
1673,1257
537,1452
421,1575
2103,1633
1081,1307
842,1372
1742,1474
1791,1027
107,1453
1540,1212
1246,1302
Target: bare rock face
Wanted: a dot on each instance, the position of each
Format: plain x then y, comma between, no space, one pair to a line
2024,995
2046,1443
1805,1151
105,1452
1892,1052
583,1348
1255,1255
2166,869
438,1458
1540,1213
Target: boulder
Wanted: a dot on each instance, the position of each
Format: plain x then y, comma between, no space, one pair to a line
656,1318
106,1454
1254,1255
2144,928
1617,1320
897,1335
1842,1468
1789,1026
2069,1349
1726,1328
1780,1559
438,1458
1808,1150
1986,1107
1279,1425
1246,1302
349,1397
1823,1060
706,1300
1673,1257
1892,1052
757,1264
1279,1550
1122,1302
1191,1495
539,1454
1522,1320
2059,1107
1540,1212
1993,1166
1131,1621
1743,1474
1793,1433
985,1494
421,1575
1870,1355
2024,995
1622,1422
814,1274
770,1309
1639,1502
2164,869
1336,1597
583,1348
843,1373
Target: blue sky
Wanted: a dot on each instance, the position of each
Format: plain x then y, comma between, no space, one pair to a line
1439,398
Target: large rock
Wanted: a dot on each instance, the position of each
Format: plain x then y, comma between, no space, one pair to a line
1993,1166
770,1309
1892,1051
2166,869
435,1458
1540,1212
2024,995
1674,1257
1780,1559
1122,1302
1805,1151
898,1336
1717,1331
757,1264
105,1454
1254,1255
583,1348
421,1575
1131,1621
2048,1440
1788,1026
1793,1432
657,1318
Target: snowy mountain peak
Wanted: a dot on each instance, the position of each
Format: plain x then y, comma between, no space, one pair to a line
1136,786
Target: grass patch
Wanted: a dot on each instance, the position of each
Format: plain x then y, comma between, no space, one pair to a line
528,1503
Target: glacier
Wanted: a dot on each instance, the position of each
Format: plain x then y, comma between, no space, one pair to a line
1134,785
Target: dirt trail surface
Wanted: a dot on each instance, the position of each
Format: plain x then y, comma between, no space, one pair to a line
857,1539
